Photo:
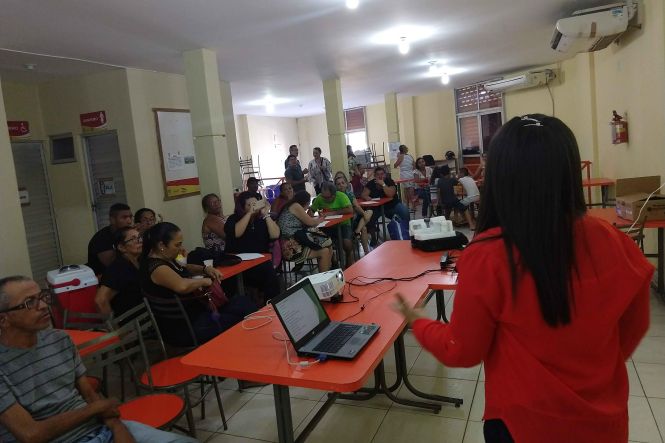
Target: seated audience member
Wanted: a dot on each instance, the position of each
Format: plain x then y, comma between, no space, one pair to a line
471,192
480,170
447,197
144,219
294,218
162,276
333,202
253,188
294,175
285,194
119,289
555,275
251,229
362,216
212,230
406,164
100,247
354,171
381,186
422,175
44,393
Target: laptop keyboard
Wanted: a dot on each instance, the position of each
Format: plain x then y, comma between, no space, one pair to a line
337,338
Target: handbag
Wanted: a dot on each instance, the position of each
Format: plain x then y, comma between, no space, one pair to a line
312,238
213,297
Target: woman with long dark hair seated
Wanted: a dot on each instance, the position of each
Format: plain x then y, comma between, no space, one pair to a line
119,290
552,300
162,276
251,229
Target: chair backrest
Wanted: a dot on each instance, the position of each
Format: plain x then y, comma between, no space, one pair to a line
145,321
170,309
85,321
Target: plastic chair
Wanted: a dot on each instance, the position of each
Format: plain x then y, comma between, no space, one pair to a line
85,321
121,346
169,374
636,233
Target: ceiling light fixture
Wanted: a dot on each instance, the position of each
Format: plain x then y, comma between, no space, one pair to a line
352,4
445,78
270,104
403,46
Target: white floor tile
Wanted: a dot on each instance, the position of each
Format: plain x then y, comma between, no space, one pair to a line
652,377
441,386
353,424
232,401
482,373
401,426
257,418
428,365
379,401
225,438
474,432
657,325
295,392
641,422
658,408
634,381
478,405
410,339
412,354
650,350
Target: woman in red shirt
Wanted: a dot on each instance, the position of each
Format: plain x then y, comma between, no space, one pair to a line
553,301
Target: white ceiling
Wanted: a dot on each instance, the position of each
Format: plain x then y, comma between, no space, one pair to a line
284,47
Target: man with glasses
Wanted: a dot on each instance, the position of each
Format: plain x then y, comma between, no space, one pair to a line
44,395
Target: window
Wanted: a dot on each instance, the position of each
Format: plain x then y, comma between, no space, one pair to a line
479,117
356,129
62,149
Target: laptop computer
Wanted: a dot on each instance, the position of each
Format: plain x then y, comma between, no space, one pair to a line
310,329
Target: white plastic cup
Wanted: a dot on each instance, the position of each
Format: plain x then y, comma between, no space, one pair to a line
208,262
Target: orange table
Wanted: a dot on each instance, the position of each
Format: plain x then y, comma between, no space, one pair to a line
374,203
604,184
255,355
340,241
232,271
610,215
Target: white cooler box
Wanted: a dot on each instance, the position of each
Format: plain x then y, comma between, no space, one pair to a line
74,288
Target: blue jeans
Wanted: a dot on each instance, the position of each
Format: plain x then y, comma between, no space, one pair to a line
399,209
141,433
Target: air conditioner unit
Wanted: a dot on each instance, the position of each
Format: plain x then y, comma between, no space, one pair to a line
529,79
593,29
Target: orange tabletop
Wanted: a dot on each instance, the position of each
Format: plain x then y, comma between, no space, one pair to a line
335,221
230,271
610,215
379,202
255,355
591,182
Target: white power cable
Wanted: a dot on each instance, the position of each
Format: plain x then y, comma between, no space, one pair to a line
301,364
643,205
261,314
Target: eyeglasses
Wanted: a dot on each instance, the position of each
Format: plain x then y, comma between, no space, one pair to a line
137,239
32,302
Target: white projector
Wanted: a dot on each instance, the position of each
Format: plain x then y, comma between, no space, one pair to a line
328,285
430,229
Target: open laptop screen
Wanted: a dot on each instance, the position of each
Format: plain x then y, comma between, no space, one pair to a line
301,312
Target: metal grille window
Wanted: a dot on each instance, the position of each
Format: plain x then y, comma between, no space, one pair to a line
354,119
479,117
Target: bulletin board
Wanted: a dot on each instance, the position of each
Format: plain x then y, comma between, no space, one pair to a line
177,154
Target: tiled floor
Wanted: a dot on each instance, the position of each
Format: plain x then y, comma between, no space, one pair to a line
251,415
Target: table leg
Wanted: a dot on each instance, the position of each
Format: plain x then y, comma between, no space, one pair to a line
340,247
241,285
332,397
383,220
604,195
283,412
661,258
440,300
399,348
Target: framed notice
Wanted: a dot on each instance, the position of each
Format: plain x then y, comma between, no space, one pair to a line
176,150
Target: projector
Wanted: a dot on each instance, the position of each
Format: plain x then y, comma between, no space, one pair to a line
430,229
328,285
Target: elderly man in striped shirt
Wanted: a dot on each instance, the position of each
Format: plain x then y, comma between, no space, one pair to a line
44,395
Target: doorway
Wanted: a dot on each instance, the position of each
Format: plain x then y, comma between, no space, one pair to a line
37,208
106,180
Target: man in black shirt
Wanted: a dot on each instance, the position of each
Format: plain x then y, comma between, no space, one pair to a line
100,247
253,188
448,199
294,175
381,187
293,150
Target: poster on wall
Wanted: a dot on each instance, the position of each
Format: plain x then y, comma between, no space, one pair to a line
93,121
176,150
18,129
393,150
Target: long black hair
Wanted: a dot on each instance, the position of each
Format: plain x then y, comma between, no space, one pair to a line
300,197
161,232
533,192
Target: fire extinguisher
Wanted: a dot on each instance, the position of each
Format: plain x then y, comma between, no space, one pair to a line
619,129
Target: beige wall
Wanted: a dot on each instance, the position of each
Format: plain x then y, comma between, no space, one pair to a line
435,123
269,139
312,132
15,259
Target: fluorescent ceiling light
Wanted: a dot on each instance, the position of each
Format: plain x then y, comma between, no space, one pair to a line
269,102
352,4
403,46
394,35
445,79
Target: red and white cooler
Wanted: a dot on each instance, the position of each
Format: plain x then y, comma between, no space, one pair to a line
74,288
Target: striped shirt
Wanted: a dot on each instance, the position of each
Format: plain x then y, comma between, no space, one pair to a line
42,380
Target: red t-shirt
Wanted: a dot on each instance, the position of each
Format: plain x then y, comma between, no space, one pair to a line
566,384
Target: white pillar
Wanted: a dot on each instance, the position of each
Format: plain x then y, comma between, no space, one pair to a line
332,95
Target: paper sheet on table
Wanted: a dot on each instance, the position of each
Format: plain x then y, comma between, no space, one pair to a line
322,224
249,256
333,217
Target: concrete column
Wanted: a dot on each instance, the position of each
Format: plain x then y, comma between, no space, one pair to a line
15,260
332,95
231,139
392,124
208,126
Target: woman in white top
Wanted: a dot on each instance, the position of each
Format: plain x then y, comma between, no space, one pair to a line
320,170
422,174
405,163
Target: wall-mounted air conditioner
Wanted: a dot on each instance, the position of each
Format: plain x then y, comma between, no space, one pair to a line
529,79
593,29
